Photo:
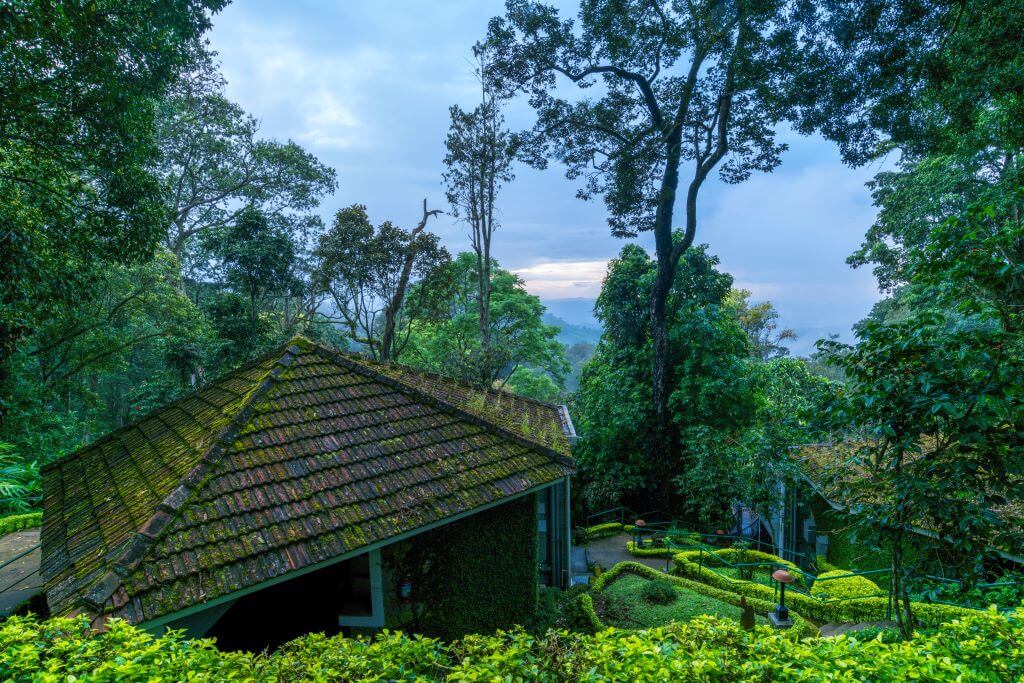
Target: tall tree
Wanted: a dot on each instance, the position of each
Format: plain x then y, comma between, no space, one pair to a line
760,322
938,82
939,389
214,164
450,342
367,272
699,85
480,152
712,396
77,82
257,258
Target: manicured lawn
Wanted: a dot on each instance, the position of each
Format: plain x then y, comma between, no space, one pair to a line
625,608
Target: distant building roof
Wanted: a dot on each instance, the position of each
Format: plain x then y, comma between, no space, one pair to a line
301,456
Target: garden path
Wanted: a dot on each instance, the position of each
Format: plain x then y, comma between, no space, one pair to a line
20,579
608,552
829,630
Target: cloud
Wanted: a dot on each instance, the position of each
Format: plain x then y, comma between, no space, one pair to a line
564,279
315,97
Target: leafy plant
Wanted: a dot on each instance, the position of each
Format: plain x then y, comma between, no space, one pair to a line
21,488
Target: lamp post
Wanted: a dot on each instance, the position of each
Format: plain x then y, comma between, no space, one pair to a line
638,525
780,617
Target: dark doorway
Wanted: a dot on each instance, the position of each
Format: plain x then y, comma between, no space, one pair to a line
310,603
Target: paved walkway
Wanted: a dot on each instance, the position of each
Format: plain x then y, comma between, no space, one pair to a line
20,579
829,630
608,552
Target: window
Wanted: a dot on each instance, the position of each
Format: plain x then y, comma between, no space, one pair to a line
361,589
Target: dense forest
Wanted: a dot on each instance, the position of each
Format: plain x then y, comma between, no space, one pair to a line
153,239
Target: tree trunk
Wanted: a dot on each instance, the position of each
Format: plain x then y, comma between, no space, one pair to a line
664,443
387,342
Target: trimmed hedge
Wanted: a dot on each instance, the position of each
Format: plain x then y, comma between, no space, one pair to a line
646,551
762,607
982,647
28,520
743,556
844,585
824,565
847,611
592,533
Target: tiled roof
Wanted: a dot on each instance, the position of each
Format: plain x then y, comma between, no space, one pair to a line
302,456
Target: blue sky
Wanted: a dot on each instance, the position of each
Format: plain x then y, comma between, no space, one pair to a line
366,87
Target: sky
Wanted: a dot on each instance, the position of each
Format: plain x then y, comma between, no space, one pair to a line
365,85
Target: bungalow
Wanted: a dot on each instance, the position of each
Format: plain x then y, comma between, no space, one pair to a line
314,491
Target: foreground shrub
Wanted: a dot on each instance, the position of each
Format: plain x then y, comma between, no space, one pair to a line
983,647
658,592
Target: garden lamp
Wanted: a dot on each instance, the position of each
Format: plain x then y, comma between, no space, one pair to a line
637,526
780,617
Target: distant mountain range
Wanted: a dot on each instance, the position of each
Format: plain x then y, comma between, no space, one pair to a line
572,334
574,311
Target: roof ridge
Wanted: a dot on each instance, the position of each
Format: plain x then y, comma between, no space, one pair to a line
448,378
149,414
138,545
368,370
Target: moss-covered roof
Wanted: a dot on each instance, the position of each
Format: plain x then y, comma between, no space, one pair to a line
299,457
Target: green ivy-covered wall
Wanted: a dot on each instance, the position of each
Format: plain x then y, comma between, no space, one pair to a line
475,575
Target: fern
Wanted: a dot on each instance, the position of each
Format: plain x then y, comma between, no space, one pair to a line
20,483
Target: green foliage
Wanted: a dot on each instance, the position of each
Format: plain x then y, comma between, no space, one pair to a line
215,166
78,82
658,592
21,487
854,610
110,327
982,647
1005,591
760,321
650,550
452,344
369,274
534,384
732,413
709,391
626,607
761,606
602,530
28,520
843,585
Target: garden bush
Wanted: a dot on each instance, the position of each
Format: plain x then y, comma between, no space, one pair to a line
985,646
1007,593
658,592
844,585
12,523
647,550
592,533
855,610
760,606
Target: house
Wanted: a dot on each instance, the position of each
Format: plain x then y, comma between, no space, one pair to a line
812,520
314,491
